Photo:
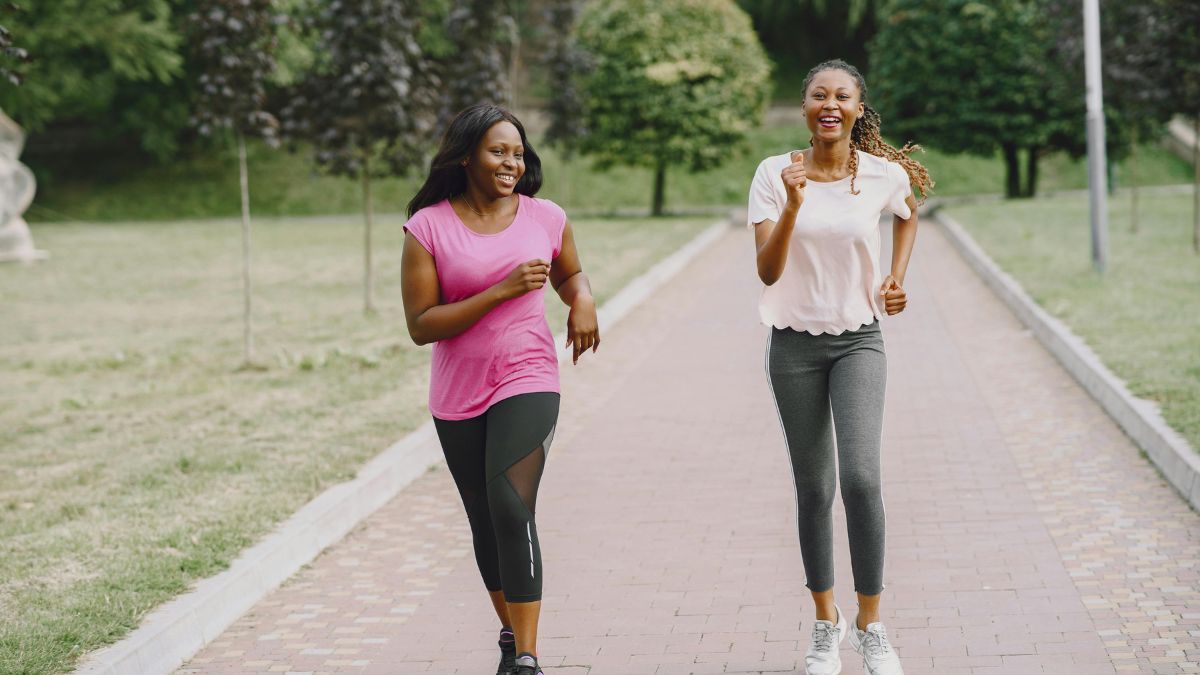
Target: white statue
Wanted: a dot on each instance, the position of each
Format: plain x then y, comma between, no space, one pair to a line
17,186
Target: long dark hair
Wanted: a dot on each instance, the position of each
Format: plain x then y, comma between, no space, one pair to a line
865,134
448,178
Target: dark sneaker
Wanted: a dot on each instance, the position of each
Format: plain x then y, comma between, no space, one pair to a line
527,665
508,653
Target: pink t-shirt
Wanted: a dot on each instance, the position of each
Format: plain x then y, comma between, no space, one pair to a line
510,350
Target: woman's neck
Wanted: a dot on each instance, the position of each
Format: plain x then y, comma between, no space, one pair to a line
831,157
484,205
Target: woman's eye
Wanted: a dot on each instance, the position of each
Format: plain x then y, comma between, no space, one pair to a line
519,156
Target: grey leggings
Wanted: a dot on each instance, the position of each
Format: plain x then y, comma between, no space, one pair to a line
826,385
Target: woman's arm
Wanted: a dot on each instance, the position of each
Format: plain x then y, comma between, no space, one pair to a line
904,234
770,237
574,289
429,321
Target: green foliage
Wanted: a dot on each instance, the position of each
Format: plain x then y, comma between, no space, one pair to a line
799,34
975,77
10,53
565,63
87,52
372,94
476,69
676,83
234,43
959,75
1135,65
1183,52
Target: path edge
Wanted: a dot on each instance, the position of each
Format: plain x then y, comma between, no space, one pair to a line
177,630
1139,418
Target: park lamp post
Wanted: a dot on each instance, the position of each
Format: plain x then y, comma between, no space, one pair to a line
1097,176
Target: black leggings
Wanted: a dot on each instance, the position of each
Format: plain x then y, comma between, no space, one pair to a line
496,460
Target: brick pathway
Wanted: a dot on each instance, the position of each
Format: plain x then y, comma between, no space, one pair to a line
1025,533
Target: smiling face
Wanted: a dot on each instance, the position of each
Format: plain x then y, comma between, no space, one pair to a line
832,103
498,161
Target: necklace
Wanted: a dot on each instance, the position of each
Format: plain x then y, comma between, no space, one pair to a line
473,209
463,196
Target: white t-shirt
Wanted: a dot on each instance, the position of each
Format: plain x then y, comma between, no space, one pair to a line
830,283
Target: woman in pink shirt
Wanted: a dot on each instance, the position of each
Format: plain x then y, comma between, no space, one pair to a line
815,215
478,252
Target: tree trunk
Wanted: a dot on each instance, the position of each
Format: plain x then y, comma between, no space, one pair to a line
660,179
1196,184
513,65
1012,172
247,333
369,214
1133,183
1031,172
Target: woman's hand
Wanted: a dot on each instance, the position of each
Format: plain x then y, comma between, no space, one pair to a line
894,297
583,329
528,276
794,179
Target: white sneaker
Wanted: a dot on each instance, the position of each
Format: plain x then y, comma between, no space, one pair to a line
878,656
822,657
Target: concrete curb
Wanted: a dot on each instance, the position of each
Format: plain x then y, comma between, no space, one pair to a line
176,631
1139,418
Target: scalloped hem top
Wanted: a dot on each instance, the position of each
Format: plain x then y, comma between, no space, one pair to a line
830,282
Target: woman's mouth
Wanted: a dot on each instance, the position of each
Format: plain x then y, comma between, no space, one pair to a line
829,121
507,179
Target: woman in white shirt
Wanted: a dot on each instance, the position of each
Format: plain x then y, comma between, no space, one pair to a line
815,215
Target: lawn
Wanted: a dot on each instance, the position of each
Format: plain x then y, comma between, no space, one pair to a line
137,458
1142,317
285,184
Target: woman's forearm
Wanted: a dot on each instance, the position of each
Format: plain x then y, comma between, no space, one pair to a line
904,234
576,286
442,322
772,255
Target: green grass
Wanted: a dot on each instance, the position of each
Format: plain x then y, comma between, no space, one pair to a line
284,184
1142,317
138,461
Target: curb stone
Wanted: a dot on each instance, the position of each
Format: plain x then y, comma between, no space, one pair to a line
177,630
1140,419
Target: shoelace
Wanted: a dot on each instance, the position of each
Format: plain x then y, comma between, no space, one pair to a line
823,637
877,642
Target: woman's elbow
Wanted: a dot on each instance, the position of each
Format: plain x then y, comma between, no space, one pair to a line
767,276
418,336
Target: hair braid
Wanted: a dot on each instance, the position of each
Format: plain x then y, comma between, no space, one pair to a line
865,135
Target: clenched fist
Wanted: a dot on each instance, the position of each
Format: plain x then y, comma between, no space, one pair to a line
528,276
795,178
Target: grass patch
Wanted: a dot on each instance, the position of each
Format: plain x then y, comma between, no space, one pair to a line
1142,318
137,460
284,184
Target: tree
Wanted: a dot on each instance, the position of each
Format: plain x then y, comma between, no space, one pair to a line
369,106
1135,69
234,41
1183,50
675,83
828,29
10,54
475,71
963,76
88,53
565,63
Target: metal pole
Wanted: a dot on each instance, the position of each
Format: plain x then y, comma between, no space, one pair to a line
1097,176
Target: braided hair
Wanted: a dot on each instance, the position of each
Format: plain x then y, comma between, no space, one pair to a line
865,135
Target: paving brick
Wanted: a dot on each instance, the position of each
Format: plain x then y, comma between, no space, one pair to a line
1025,533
